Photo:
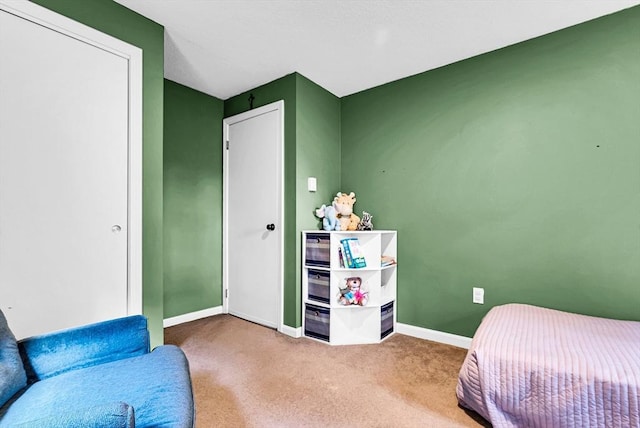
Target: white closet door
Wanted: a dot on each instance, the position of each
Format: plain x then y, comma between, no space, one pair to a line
63,179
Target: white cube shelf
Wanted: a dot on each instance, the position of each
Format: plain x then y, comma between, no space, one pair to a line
324,317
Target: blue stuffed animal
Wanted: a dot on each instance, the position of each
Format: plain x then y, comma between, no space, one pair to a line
329,217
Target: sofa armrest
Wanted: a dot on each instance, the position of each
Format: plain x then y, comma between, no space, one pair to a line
55,353
111,415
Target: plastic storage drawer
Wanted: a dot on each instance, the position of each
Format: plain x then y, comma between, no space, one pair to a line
316,322
318,286
386,320
318,250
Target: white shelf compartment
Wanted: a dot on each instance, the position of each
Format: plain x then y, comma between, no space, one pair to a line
369,244
370,284
354,327
388,284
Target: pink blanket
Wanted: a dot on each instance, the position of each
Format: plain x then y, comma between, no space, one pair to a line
535,367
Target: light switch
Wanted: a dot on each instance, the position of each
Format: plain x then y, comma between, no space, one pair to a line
311,184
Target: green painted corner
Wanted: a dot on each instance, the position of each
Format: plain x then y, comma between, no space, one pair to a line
318,149
192,200
318,155
118,21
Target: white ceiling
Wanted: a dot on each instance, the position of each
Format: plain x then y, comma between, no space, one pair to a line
225,47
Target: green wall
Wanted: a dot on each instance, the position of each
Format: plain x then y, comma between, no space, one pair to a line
124,24
317,155
517,171
312,148
192,200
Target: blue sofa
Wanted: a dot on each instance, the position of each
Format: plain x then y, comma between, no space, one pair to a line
99,375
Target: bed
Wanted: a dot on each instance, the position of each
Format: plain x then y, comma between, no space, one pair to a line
535,367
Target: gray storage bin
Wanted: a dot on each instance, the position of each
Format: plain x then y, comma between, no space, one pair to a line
318,250
386,320
318,285
316,322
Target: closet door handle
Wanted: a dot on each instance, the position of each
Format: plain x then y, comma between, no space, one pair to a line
271,227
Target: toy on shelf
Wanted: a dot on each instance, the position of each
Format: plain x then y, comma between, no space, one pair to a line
329,217
343,204
365,222
387,261
352,293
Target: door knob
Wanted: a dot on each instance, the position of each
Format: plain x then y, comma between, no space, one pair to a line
271,227
116,228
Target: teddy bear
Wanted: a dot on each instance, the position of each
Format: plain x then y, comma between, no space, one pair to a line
329,217
343,204
352,293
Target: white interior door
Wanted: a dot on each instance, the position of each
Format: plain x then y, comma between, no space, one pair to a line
253,214
64,179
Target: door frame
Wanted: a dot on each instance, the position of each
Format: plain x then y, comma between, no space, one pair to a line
61,24
226,122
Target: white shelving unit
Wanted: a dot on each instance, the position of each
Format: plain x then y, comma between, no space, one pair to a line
324,317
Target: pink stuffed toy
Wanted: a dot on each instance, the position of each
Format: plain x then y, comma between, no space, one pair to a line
352,294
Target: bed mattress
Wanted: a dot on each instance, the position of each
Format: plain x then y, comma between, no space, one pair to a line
535,367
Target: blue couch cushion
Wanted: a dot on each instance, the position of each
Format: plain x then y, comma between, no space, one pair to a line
111,415
12,375
54,353
157,385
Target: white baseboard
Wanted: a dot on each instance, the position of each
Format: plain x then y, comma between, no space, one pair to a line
409,330
192,316
434,335
291,331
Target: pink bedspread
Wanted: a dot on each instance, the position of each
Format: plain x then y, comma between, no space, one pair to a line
535,367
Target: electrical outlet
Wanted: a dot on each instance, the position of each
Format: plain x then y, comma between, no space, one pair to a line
478,295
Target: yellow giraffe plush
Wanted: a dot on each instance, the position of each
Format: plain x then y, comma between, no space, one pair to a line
343,204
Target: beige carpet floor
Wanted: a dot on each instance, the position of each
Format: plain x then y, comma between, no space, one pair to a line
246,375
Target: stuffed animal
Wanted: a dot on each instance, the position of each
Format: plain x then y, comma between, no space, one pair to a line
343,204
353,294
365,223
328,216
345,295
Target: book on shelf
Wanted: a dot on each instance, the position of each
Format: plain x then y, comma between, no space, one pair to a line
342,260
387,261
352,253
